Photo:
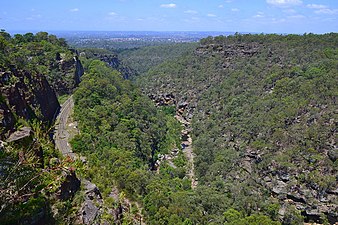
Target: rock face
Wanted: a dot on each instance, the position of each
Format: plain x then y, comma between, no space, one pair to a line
229,50
66,74
92,204
69,187
7,119
123,206
113,61
27,97
79,71
167,99
31,95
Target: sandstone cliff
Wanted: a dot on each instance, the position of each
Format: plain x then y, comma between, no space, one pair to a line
25,96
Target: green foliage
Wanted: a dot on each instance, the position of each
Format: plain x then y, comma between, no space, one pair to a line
234,217
272,211
29,179
293,217
37,55
262,105
143,59
122,134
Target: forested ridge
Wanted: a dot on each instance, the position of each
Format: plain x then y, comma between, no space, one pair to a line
264,122
142,59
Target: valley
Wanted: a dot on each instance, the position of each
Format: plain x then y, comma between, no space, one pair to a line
237,129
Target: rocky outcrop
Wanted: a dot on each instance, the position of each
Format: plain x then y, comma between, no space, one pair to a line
7,120
167,99
123,206
91,207
69,186
311,201
229,50
32,95
22,134
27,96
112,61
79,71
66,74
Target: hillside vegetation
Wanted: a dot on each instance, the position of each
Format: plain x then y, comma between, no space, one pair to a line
37,184
264,122
142,59
259,110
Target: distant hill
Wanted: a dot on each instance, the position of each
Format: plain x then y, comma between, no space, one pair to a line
140,60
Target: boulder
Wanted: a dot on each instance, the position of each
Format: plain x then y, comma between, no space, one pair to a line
92,204
296,197
89,212
184,135
333,154
23,133
280,188
69,187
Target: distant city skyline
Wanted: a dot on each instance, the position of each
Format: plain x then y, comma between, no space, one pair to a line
257,16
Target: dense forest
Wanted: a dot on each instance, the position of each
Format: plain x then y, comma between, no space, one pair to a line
262,114
264,122
258,113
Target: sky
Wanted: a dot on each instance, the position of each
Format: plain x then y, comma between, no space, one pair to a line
261,16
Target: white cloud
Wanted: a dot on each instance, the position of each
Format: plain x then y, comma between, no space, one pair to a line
112,14
322,9
190,12
170,5
74,10
297,17
289,11
228,1
192,20
315,6
327,11
234,10
284,3
211,15
221,6
259,15
274,20
34,17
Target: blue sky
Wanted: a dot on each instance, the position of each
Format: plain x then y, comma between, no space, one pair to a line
268,16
